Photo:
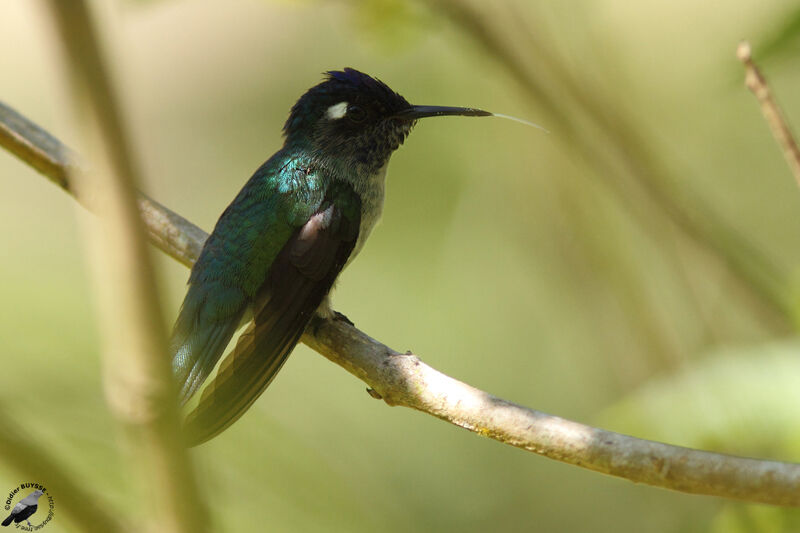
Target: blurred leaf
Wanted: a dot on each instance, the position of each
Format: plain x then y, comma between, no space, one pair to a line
736,518
743,401
391,24
783,39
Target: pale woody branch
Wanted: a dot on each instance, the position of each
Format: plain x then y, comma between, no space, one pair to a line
402,379
138,386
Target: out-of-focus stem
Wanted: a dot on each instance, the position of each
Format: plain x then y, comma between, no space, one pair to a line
138,380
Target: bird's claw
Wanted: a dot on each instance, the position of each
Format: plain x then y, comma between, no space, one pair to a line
342,318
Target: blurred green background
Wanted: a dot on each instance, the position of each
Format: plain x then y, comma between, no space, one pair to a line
635,269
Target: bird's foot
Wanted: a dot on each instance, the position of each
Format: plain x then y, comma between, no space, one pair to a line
342,318
318,320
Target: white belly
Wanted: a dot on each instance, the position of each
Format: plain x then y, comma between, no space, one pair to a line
371,208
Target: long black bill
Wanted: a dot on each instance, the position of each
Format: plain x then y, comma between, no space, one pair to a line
421,111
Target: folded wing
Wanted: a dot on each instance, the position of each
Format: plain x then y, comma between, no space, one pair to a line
300,277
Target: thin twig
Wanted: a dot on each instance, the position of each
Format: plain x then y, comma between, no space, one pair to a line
402,379
756,82
139,388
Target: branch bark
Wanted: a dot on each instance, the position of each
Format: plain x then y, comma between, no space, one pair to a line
757,84
403,379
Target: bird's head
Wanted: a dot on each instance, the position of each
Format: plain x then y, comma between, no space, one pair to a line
355,117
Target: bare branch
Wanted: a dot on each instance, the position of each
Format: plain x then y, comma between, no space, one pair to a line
167,230
138,385
770,109
402,379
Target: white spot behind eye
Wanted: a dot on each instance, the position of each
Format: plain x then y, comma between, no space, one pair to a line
337,111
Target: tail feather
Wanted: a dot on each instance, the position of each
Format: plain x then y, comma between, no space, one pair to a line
243,376
197,353
285,309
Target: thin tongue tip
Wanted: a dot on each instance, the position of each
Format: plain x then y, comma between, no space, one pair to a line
521,121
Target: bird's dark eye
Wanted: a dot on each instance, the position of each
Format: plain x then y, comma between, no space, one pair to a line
356,114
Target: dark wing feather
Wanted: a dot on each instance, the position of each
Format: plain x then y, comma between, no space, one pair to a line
302,274
25,513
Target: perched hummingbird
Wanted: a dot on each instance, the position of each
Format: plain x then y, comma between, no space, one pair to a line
276,251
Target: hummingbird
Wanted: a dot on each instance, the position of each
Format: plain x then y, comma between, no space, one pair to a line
277,249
